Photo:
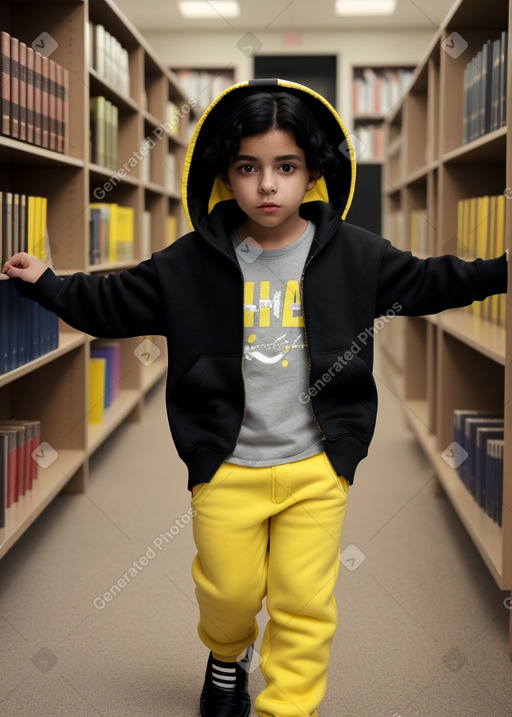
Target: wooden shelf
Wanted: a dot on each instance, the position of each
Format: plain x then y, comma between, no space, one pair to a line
483,336
49,483
54,387
67,342
455,360
115,414
487,535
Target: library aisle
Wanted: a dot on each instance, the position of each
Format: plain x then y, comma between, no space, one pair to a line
423,629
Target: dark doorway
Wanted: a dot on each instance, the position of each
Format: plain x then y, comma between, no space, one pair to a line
315,71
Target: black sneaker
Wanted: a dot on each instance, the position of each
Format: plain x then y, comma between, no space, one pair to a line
220,702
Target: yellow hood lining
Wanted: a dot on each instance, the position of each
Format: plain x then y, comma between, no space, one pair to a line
221,193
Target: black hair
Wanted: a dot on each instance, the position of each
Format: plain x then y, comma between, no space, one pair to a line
256,112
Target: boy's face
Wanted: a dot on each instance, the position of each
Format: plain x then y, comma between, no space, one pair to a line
269,179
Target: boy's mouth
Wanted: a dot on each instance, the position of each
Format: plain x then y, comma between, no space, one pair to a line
268,205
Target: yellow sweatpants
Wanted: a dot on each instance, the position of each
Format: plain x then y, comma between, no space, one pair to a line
273,532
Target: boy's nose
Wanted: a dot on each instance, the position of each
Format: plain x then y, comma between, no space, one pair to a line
267,183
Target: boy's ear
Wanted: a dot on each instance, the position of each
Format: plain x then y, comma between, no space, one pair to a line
313,179
224,179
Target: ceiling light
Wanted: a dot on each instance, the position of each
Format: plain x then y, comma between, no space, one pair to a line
365,7
207,9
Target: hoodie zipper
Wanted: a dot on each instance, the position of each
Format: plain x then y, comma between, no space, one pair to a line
306,343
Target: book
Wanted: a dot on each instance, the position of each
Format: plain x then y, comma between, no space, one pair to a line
483,435
484,90
5,44
111,352
28,331
494,471
15,88
30,88
109,58
97,370
4,450
112,233
23,91
45,102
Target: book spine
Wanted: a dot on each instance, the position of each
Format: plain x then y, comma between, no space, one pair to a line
52,105
45,102
6,83
23,90
30,95
15,88
38,99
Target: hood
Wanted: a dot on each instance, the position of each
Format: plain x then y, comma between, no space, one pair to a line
202,191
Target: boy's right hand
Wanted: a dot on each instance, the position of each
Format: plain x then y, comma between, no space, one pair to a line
24,266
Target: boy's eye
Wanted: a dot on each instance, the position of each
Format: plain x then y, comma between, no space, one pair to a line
287,168
246,168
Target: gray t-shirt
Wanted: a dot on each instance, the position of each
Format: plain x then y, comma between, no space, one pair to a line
278,428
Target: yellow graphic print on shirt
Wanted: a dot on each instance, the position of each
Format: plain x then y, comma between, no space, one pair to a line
266,312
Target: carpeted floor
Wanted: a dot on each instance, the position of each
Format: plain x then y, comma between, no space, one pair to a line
423,629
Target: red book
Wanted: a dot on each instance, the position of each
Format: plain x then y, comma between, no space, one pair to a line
12,459
5,94
22,456
60,108
45,102
23,91
52,104
15,88
32,439
30,95
65,110
38,100
4,451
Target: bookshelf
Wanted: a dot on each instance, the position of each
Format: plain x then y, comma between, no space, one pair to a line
458,359
375,91
54,388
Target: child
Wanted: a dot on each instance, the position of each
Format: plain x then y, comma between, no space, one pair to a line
270,395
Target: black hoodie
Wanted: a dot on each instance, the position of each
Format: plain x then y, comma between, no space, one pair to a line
192,293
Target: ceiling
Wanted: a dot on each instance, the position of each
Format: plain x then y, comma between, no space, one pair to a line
284,16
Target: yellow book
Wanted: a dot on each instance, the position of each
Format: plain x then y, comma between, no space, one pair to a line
31,225
42,231
492,306
460,228
500,249
172,228
482,234
97,370
472,223
124,233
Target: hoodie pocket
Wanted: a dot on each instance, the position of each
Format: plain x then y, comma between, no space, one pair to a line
206,407
343,394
